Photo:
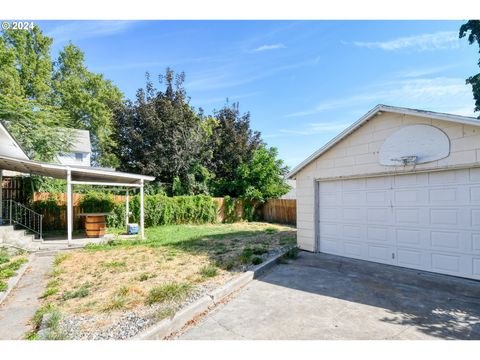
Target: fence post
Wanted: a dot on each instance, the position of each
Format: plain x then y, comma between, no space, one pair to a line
10,211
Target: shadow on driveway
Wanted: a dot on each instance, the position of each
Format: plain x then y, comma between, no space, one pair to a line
436,305
319,296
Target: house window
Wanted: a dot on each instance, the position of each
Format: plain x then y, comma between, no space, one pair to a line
79,156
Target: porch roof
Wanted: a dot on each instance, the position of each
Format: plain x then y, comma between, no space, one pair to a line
96,176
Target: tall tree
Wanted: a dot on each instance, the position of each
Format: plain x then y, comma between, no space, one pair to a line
31,52
473,26
89,100
9,76
233,143
162,135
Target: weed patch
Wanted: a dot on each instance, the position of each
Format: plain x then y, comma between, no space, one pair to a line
81,292
209,271
145,276
168,292
292,254
257,260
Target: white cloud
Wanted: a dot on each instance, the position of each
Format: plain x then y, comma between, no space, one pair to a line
77,30
438,94
434,41
317,128
425,71
269,47
219,78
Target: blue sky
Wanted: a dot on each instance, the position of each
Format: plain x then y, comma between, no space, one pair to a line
302,81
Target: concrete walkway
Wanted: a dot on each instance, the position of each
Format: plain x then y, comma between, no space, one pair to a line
20,306
325,297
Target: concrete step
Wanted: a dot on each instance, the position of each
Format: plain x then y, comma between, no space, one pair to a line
19,238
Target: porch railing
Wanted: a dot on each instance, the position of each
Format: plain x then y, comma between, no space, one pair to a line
14,213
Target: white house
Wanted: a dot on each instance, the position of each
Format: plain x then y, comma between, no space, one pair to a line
80,152
400,187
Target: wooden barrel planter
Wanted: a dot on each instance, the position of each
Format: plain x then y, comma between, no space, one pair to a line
95,224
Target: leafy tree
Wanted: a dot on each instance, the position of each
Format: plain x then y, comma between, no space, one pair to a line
89,100
474,36
263,177
30,50
27,71
40,129
9,76
162,135
233,143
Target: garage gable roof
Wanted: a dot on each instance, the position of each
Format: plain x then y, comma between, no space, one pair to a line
373,112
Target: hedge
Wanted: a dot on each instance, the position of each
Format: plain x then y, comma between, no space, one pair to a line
159,209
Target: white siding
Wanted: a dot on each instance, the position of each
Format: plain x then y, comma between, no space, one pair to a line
357,155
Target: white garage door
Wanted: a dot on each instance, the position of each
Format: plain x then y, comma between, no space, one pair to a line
428,221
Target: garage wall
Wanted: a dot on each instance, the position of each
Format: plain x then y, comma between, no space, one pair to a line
358,155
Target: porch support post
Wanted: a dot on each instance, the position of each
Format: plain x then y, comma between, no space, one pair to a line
142,218
127,210
69,207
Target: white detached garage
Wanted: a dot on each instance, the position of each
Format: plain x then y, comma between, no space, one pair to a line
401,187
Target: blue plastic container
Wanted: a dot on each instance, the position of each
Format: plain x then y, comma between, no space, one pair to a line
132,229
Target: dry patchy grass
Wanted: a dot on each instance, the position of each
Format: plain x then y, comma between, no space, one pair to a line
172,264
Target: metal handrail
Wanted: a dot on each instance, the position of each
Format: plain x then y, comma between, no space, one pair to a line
18,214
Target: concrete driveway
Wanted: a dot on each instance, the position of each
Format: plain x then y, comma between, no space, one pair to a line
321,296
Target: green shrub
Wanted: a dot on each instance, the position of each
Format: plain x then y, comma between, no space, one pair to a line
3,285
97,202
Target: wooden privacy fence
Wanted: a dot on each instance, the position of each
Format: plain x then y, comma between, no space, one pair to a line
281,211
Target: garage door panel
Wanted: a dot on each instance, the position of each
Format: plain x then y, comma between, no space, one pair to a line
445,177
353,249
328,229
377,197
476,267
426,221
378,183
410,258
407,180
353,184
409,237
475,194
446,263
443,196
329,214
475,216
476,243
329,199
446,240
381,253
353,214
352,231
353,198
378,234
407,216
